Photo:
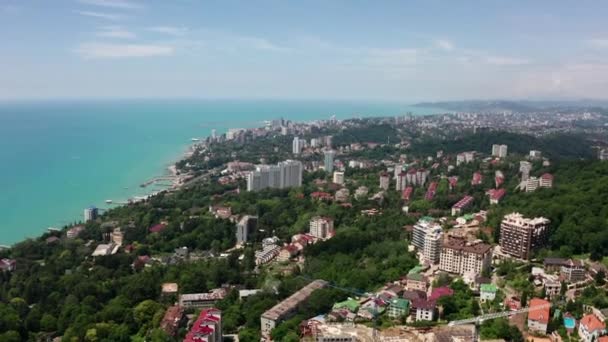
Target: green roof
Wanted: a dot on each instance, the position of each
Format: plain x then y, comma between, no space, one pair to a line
351,304
468,217
400,303
426,218
416,269
488,288
415,276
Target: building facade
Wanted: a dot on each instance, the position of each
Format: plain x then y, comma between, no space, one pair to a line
245,227
283,175
322,227
426,237
519,236
462,257
328,160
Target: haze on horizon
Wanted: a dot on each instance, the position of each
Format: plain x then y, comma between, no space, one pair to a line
389,50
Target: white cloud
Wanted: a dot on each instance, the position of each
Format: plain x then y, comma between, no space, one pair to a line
261,44
505,61
116,32
101,15
444,44
170,30
102,50
598,42
123,4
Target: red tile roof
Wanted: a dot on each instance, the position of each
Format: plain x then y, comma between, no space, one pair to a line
541,315
157,228
441,292
592,323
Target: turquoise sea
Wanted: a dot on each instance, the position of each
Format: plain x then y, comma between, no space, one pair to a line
58,157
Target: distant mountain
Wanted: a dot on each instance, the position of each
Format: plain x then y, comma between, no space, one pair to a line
523,106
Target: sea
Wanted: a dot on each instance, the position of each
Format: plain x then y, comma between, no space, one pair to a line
59,157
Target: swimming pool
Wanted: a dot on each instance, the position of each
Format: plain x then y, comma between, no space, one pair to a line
569,322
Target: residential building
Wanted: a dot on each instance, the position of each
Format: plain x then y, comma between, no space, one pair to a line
426,238
361,192
173,320
287,308
573,271
496,195
287,252
519,236
425,309
322,227
117,236
8,265
464,203
406,194
398,307
202,300
207,327
442,291
283,175
342,195
539,315
90,214
525,167
499,151
399,168
461,257
477,178
74,232
267,254
552,287
338,177
245,227
432,246
385,180
401,181
590,328
535,154
487,292
603,154
416,282
297,145
328,161
532,184
546,181
431,191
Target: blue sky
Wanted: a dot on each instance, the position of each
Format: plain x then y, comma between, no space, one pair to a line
332,49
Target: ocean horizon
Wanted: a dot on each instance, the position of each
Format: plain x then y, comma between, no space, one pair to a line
61,156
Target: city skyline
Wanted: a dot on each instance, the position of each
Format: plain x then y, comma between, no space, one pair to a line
407,51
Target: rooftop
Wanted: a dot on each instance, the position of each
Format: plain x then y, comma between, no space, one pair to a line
592,323
461,244
541,314
284,307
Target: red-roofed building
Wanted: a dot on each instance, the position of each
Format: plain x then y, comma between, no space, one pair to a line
157,228
430,192
452,182
439,292
407,193
207,327
590,328
539,315
603,339
464,203
546,181
476,178
321,196
173,319
496,195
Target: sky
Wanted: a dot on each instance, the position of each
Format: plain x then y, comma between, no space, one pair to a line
406,51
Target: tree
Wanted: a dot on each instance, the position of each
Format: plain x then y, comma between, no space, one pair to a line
48,323
600,278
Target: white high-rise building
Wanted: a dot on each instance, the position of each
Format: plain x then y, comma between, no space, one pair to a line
90,214
384,180
427,237
499,151
322,227
213,135
297,145
283,175
338,177
328,161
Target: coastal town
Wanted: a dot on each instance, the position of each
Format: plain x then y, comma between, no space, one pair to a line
431,228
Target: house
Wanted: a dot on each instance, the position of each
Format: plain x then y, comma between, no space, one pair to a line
495,195
157,228
398,307
169,288
464,203
74,232
539,315
8,265
425,309
416,281
487,292
553,264
590,328
207,327
439,292
573,271
288,252
202,300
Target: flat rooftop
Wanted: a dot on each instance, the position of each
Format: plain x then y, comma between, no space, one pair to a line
290,303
